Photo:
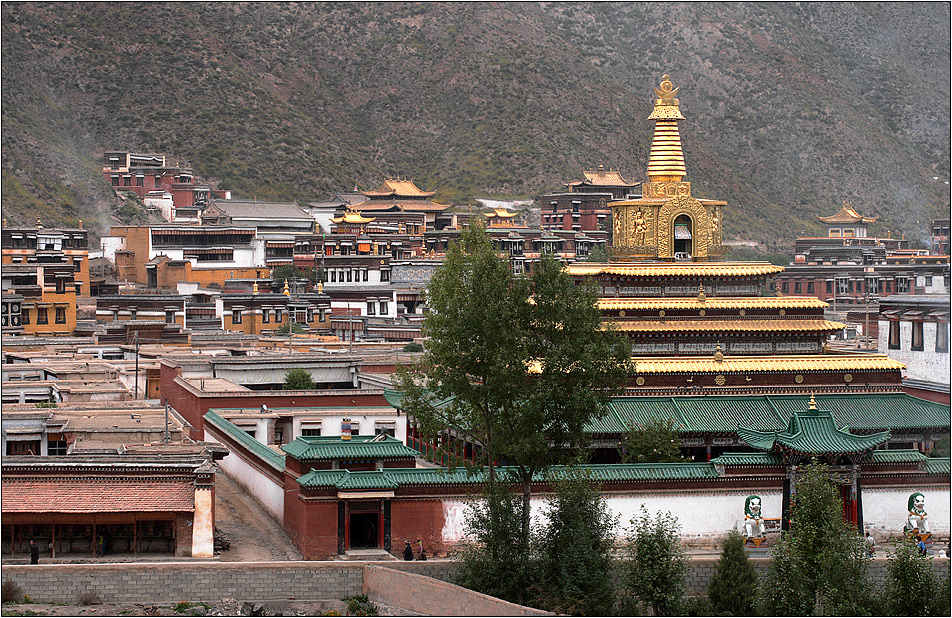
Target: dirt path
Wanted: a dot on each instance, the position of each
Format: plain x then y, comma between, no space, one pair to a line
254,535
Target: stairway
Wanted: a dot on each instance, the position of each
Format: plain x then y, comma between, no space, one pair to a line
366,555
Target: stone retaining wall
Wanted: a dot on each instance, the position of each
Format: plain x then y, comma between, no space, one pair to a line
172,582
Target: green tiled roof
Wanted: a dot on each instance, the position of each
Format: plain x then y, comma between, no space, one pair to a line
392,478
813,431
747,459
323,448
938,465
897,456
268,455
723,414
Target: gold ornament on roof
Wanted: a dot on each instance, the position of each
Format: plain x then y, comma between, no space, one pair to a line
812,401
666,92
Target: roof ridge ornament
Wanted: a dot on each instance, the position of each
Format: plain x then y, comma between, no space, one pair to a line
813,401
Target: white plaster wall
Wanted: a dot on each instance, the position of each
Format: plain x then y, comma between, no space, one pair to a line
330,421
203,528
926,364
268,493
884,509
111,244
700,514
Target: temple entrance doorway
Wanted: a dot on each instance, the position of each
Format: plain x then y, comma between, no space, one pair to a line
364,525
683,237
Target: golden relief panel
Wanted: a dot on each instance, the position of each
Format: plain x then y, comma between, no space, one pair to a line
665,189
700,226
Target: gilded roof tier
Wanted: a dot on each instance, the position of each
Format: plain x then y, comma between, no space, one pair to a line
767,364
502,213
399,204
847,215
397,187
660,325
602,177
666,159
717,302
677,269
352,217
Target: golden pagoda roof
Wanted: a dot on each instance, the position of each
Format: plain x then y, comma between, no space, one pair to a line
502,213
847,214
767,364
401,188
400,204
676,269
716,302
666,159
660,325
352,217
602,177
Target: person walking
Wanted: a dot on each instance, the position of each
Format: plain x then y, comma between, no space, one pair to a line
408,551
34,552
422,555
870,545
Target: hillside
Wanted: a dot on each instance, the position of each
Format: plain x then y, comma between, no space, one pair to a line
790,109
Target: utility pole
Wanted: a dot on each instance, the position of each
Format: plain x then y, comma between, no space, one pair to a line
168,436
137,365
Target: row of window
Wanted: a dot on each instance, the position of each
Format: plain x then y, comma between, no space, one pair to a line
916,340
384,307
277,313
843,285
43,317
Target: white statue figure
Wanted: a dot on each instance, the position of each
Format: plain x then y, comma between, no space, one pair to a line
917,523
753,519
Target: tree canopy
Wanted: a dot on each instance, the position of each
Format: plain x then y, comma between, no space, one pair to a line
298,379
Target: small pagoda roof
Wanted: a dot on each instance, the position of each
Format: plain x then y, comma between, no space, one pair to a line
324,448
501,213
722,303
660,325
352,217
847,215
398,204
812,432
399,188
662,269
603,178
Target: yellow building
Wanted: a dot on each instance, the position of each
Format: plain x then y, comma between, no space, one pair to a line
49,246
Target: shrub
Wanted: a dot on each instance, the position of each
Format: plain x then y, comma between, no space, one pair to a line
298,379
89,598
657,571
413,346
360,605
912,584
733,587
10,592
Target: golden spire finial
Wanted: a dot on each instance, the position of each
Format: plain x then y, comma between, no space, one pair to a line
254,288
812,401
320,287
666,160
701,296
719,354
287,290
39,225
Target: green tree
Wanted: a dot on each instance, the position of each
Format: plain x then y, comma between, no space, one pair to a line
912,585
657,568
820,565
298,379
597,254
523,362
489,557
656,441
733,587
574,550
294,327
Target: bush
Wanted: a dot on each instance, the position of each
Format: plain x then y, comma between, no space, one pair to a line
360,605
10,592
733,587
574,546
657,571
413,346
912,584
657,441
89,598
298,379
295,329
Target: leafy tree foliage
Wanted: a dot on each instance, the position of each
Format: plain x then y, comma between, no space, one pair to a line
298,379
597,254
657,570
733,587
573,546
913,586
656,441
522,363
820,566
294,327
413,346
490,558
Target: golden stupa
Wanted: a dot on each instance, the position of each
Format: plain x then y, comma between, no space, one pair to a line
666,223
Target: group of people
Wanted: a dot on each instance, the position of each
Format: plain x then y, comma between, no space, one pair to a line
408,551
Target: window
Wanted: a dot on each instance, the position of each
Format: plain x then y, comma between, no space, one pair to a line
322,315
25,316
277,316
784,287
842,286
60,316
942,337
902,285
265,316
115,181
311,430
894,335
370,307
132,313
127,181
42,317
333,276
77,264
387,428
384,309
365,275
170,316
796,287
23,447
236,316
810,287
917,336
350,276
385,275
57,447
